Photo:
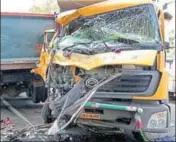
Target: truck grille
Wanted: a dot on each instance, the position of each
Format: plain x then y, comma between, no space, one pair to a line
128,83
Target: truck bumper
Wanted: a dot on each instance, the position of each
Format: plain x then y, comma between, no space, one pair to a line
114,118
152,109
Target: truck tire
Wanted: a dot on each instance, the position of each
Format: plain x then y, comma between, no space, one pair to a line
44,95
38,91
36,94
39,94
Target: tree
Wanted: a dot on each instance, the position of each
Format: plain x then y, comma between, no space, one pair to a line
48,7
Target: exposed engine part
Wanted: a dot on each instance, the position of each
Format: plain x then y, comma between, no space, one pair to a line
82,100
62,79
63,83
73,95
91,82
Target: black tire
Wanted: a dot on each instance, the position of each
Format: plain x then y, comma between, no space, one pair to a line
30,91
44,94
39,94
36,94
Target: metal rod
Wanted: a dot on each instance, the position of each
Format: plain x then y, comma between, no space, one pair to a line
15,111
110,106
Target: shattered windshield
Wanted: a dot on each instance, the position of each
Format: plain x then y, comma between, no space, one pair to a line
129,28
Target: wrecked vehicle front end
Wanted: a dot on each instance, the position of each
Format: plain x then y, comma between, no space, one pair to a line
104,75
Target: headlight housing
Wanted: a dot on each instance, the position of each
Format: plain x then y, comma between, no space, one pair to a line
158,120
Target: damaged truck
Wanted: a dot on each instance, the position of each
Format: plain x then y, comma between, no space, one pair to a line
104,70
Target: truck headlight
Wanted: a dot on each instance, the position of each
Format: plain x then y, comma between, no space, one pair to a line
158,120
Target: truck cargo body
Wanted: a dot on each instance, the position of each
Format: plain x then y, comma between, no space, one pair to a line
20,33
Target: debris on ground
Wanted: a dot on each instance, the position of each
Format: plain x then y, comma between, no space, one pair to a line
6,122
7,129
29,132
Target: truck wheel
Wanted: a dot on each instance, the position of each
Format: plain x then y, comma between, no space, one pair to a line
39,94
36,94
44,94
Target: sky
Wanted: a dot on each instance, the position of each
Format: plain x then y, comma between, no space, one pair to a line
19,5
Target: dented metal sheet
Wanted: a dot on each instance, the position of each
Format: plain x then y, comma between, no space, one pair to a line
99,8
89,62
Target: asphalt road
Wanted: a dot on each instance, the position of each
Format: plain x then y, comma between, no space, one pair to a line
32,112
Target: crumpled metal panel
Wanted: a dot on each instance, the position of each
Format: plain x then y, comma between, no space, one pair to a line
98,8
88,62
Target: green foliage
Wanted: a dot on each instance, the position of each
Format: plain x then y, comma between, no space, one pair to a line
48,7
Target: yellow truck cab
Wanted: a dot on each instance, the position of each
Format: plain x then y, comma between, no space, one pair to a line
113,54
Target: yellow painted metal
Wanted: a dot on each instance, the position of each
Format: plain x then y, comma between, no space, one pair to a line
89,62
99,8
42,68
134,57
76,78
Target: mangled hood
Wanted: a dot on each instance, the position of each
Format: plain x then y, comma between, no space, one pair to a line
89,62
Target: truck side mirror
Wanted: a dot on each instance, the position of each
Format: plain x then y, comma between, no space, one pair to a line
167,16
166,45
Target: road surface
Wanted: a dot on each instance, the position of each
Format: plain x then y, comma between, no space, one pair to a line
32,112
